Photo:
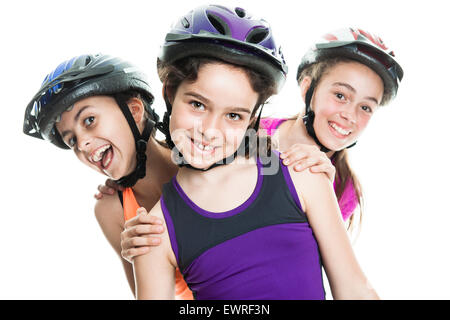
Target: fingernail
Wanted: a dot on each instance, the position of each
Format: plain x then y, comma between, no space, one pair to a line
286,162
298,167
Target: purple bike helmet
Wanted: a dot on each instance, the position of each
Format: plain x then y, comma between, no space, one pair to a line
229,34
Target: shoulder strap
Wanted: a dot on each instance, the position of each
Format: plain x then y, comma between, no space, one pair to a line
130,204
120,194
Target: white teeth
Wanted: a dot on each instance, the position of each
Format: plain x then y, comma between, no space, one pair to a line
339,129
99,153
203,147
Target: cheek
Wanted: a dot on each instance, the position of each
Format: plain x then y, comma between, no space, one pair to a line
325,107
363,122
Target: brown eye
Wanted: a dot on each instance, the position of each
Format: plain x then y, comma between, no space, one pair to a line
198,105
340,96
234,116
367,109
89,120
71,142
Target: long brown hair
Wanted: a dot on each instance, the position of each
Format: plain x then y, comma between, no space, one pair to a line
344,173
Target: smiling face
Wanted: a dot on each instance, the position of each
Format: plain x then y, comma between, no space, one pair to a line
96,130
211,115
343,102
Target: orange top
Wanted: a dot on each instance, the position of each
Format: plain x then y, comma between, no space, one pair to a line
130,206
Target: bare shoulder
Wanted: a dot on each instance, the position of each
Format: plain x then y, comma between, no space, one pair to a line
311,185
109,212
165,248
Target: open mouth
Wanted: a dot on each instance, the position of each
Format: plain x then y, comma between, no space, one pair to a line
339,131
102,156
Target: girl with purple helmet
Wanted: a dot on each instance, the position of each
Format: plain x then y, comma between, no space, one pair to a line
360,74
101,107
252,228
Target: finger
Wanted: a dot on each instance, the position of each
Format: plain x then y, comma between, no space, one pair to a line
140,230
141,211
105,190
113,185
140,242
131,222
148,219
98,196
325,168
307,163
130,254
147,229
294,157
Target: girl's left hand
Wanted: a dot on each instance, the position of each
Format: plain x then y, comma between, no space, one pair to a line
303,156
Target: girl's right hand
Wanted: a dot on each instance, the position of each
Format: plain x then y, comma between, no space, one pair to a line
109,188
304,156
138,235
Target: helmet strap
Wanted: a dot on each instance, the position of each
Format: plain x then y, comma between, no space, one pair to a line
308,119
141,145
164,128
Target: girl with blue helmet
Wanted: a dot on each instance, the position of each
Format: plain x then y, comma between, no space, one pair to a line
101,107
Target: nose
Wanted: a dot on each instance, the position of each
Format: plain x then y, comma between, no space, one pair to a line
84,142
349,115
209,128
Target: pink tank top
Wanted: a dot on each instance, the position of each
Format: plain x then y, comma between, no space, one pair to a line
349,199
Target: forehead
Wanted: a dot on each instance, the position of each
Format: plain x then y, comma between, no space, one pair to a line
362,78
95,104
223,85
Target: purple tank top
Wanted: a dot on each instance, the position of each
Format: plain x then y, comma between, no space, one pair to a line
349,199
263,249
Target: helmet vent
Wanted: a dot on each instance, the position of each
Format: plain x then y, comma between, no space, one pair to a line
257,35
219,24
240,12
88,59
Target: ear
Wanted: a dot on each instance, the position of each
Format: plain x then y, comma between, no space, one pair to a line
304,86
136,108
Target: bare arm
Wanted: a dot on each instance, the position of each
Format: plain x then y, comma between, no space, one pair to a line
347,280
109,214
155,271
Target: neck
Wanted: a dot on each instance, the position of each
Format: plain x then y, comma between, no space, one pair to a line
186,175
294,131
159,170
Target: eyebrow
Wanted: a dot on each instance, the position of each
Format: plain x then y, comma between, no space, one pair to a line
207,101
349,87
77,116
198,96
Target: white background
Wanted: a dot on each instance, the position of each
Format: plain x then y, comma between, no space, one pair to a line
50,244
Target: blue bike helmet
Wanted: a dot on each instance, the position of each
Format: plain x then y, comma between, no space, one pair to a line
81,77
